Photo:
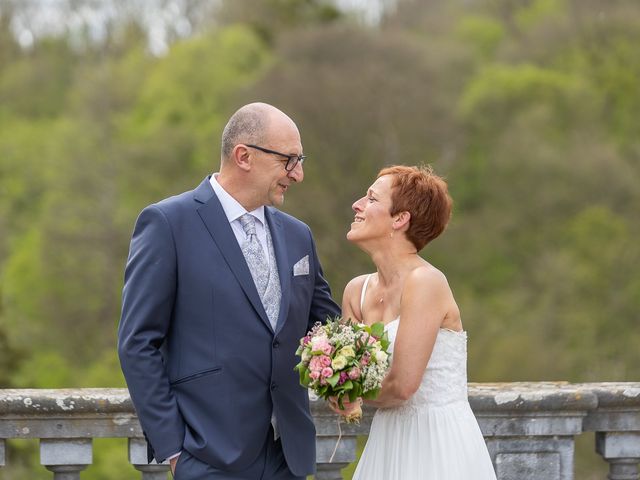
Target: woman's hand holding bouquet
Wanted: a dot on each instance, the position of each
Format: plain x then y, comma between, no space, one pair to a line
343,360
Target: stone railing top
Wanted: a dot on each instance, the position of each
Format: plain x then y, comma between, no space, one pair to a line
34,402
531,396
615,394
485,397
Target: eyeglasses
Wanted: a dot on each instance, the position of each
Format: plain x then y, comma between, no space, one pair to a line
292,160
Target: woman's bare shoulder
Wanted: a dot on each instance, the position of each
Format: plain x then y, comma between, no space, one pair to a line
427,275
351,297
354,287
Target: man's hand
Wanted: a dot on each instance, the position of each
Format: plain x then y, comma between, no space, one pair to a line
172,464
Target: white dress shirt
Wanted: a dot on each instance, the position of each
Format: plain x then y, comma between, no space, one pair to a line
233,210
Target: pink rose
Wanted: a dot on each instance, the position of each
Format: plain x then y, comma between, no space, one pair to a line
327,372
327,349
325,361
321,344
316,364
365,359
354,373
314,375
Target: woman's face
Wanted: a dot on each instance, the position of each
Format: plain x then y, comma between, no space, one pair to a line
372,218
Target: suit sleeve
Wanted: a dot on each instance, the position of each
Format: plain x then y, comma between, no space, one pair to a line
147,303
322,304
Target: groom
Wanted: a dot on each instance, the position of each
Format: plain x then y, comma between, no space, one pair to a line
219,288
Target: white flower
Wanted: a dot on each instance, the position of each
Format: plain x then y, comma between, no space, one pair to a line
339,363
381,357
347,351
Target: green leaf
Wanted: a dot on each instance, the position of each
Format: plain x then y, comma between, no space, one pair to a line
377,329
333,379
305,378
371,394
352,395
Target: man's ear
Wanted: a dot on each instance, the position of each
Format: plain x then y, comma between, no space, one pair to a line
401,221
240,156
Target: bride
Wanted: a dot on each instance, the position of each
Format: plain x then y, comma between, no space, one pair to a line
424,427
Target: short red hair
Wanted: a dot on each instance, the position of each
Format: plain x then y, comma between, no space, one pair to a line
425,195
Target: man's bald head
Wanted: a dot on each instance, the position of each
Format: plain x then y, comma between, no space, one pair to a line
250,124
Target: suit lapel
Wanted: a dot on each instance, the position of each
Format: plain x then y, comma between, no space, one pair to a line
217,224
284,271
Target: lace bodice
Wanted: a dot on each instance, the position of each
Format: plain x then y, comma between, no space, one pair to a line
445,378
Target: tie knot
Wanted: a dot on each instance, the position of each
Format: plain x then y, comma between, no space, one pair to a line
248,222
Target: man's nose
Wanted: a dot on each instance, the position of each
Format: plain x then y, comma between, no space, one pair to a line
297,174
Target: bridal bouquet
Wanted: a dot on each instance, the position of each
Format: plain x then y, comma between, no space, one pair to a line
342,358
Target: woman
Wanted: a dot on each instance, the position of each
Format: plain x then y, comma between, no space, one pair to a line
424,427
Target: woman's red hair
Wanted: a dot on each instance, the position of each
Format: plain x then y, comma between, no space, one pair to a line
425,196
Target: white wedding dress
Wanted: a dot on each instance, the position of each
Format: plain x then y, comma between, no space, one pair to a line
434,435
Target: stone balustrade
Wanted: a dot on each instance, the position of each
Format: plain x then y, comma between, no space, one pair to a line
529,428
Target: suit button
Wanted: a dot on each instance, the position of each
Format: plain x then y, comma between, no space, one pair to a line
276,344
274,386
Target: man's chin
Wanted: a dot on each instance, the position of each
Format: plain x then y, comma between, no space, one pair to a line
277,200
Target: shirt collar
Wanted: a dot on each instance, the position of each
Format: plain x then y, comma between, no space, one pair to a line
232,208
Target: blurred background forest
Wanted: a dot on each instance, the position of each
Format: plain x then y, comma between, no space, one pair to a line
530,108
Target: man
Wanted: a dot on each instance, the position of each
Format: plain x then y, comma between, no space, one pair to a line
219,288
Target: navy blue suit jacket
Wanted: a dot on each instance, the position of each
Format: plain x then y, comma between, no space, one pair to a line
204,367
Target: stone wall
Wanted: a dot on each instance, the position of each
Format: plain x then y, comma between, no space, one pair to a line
529,428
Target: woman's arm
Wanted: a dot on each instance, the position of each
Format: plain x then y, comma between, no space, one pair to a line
351,299
426,299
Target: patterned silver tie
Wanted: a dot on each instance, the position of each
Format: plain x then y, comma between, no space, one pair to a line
254,254
270,293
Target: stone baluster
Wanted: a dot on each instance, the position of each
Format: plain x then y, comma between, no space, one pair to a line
66,458
2,452
617,426
138,458
335,444
531,427
622,451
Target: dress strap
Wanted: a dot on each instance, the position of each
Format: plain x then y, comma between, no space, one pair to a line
364,290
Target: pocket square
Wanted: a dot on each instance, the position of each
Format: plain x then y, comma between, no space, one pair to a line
301,267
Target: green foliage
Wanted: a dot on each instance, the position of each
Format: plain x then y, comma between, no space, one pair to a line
269,18
500,91
187,92
483,33
538,12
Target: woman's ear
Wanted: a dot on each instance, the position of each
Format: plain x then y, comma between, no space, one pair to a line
401,221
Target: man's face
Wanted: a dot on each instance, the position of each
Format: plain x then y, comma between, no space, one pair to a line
271,180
